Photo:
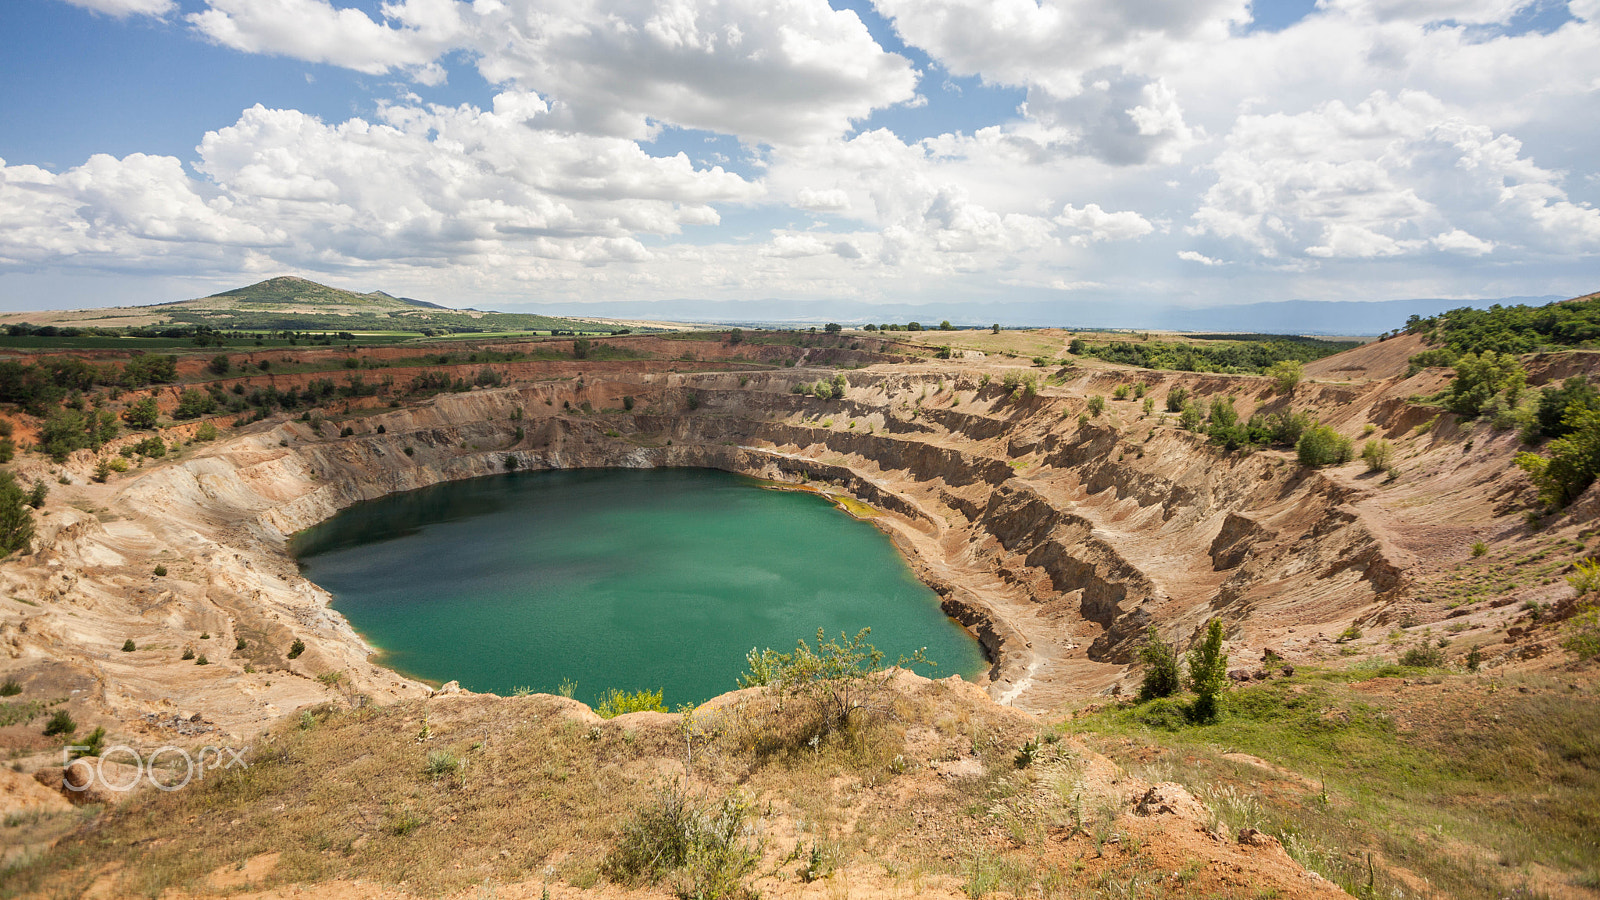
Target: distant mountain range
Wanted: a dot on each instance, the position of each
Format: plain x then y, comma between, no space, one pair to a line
1279,317
294,303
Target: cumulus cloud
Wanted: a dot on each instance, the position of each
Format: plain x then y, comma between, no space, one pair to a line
316,31
1391,176
764,70
121,9
1198,257
828,200
1095,224
421,187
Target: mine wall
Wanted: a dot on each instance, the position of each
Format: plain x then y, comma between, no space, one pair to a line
1056,540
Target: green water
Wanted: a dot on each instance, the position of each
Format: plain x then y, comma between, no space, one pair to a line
627,578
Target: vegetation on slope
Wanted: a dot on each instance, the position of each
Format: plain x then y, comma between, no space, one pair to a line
1254,356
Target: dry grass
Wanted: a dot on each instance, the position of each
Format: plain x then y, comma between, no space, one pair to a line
367,794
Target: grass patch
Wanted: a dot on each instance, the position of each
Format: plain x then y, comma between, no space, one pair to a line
1415,779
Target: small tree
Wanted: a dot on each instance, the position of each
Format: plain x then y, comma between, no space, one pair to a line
1161,676
1176,398
1208,672
995,328
16,522
220,364
143,413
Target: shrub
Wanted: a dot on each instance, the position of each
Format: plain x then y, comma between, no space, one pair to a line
93,745
1377,454
699,844
240,644
1160,659
1584,577
1097,404
188,653
1474,659
202,661
1149,405
1176,398
1121,392
61,722
614,703
1481,378
128,646
1208,672
1479,548
142,413
193,403
440,764
1573,462
160,571
1285,374
1423,656
694,401
10,688
1349,634
297,648
838,678
1322,446
1583,636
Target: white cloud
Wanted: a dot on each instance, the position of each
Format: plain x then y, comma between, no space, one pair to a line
764,70
1197,257
827,200
123,8
789,245
315,31
1095,224
1458,241
424,187
1391,176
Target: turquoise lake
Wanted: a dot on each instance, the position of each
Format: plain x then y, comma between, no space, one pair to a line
616,578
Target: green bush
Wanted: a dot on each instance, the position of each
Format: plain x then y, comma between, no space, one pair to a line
61,722
1285,374
1583,634
10,688
614,703
1164,713
128,646
1480,379
1097,404
698,845
838,678
1176,398
1377,454
1573,462
297,648
1320,445
1160,659
188,653
1584,577
160,571
441,763
1423,656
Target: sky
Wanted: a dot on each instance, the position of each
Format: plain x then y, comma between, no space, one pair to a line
502,153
